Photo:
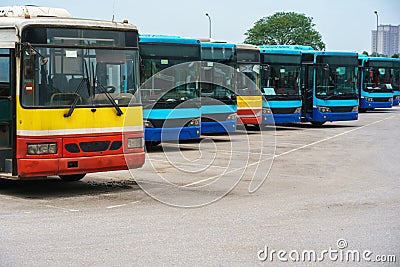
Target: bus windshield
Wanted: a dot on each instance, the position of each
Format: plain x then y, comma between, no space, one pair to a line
396,79
247,84
162,84
220,85
220,76
279,80
381,76
64,67
336,78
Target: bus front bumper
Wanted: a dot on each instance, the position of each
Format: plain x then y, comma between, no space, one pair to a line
318,116
218,127
371,105
287,118
171,134
79,165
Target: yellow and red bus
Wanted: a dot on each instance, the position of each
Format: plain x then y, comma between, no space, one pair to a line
249,98
66,87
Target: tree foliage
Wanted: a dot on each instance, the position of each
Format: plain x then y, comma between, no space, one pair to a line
285,28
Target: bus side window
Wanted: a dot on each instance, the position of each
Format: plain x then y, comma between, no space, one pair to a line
4,76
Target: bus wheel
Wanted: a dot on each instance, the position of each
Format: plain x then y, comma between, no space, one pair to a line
252,127
317,123
151,144
362,110
72,177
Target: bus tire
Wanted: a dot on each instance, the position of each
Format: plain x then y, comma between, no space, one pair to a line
318,123
362,110
151,144
72,177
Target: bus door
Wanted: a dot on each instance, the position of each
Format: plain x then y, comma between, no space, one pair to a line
307,89
6,112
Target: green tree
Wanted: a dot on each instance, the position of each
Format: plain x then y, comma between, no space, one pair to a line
365,53
395,56
285,28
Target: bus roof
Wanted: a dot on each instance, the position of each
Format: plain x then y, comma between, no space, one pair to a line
280,51
154,38
331,53
33,11
286,47
12,22
247,47
217,45
366,58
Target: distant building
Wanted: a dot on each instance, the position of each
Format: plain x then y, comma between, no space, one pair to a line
387,42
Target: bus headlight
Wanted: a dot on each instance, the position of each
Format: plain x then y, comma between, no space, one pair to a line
266,111
42,149
355,109
194,122
298,110
324,109
391,99
369,99
148,124
135,142
231,117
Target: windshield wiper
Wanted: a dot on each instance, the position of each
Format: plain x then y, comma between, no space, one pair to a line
110,98
78,89
77,96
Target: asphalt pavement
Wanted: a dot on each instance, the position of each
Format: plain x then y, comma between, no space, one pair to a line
332,188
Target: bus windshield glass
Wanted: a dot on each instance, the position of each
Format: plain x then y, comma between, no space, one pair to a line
172,85
336,78
279,80
381,77
81,66
248,79
221,79
248,63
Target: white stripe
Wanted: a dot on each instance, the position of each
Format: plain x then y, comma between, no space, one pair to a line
79,131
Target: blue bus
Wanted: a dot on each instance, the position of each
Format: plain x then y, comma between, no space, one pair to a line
171,105
396,83
218,98
280,83
329,86
377,82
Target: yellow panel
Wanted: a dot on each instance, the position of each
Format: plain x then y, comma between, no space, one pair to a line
81,118
249,101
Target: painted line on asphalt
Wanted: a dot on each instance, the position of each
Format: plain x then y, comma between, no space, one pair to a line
291,151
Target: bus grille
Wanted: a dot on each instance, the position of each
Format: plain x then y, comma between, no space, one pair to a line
380,99
283,110
342,109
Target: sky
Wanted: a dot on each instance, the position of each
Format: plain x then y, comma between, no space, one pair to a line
344,25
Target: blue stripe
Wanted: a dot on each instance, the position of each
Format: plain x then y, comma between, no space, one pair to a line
282,103
178,113
376,95
336,103
213,109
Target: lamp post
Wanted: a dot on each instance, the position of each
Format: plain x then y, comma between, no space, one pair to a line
209,19
376,36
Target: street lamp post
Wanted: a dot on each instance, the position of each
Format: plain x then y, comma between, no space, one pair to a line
209,19
376,36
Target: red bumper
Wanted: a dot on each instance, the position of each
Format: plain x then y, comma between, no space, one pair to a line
249,116
66,166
